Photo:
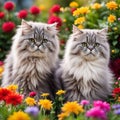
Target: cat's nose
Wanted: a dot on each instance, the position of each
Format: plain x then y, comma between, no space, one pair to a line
38,44
91,48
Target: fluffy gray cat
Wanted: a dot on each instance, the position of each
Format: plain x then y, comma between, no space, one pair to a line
84,71
32,59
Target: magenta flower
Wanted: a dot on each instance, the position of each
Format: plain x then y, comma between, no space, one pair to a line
84,102
102,105
32,94
96,112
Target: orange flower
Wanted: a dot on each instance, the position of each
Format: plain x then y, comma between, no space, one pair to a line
62,116
12,87
112,5
111,18
96,6
72,107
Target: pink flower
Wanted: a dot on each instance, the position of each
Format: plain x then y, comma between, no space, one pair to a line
1,63
34,10
22,14
8,26
54,19
32,94
96,112
2,14
9,5
102,105
84,102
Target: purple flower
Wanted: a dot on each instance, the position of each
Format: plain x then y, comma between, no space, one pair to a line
119,19
84,102
117,111
117,106
32,110
96,112
102,105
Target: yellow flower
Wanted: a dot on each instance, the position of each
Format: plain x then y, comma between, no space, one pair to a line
79,20
45,94
112,5
73,4
76,12
62,116
12,87
82,10
115,28
42,7
118,99
19,116
96,6
113,51
72,107
60,92
1,69
62,9
30,101
64,20
80,26
45,103
111,18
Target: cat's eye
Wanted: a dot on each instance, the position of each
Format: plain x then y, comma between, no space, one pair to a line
97,44
84,44
32,39
45,40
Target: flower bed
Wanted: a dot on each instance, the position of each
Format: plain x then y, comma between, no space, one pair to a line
13,105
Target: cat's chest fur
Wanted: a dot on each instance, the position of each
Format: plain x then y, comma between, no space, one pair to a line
32,72
82,78
85,70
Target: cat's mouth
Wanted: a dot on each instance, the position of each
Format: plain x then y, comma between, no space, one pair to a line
90,53
38,50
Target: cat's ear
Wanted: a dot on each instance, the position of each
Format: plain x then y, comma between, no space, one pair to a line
76,29
103,31
53,27
26,28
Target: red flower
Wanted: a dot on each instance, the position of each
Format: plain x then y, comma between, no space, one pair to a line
115,66
2,15
55,9
8,26
72,10
54,19
62,42
34,10
4,92
14,99
22,14
116,91
9,5
32,94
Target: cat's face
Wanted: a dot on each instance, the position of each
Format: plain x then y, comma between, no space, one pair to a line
39,38
89,44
